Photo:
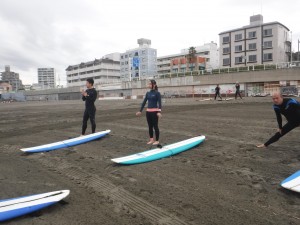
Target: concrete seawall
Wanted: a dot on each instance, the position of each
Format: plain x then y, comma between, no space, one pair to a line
251,82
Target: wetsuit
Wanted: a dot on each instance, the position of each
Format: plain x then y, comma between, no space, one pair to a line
217,89
237,91
154,106
290,108
90,109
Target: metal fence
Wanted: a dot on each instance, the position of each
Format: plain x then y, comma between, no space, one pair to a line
262,67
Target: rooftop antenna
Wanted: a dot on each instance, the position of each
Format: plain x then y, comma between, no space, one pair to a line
261,7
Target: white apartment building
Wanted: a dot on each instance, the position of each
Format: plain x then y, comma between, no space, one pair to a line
209,51
46,77
139,63
104,70
257,43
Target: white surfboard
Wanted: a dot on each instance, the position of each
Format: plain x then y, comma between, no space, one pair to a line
292,182
11,208
66,143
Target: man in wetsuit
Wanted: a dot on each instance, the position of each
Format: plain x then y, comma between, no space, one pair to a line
237,90
217,90
89,96
288,107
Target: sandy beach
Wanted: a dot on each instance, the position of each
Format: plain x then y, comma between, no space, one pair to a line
225,180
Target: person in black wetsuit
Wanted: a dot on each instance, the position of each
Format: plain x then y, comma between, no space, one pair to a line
217,90
153,111
237,90
89,96
288,107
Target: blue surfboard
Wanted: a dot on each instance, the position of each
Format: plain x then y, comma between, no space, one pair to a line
292,182
159,153
66,143
12,208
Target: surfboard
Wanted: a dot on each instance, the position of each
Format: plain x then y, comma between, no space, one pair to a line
12,208
66,143
159,153
292,182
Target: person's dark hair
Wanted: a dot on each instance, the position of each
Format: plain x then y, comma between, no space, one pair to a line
153,82
90,80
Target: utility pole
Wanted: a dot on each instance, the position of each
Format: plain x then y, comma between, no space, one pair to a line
298,58
291,48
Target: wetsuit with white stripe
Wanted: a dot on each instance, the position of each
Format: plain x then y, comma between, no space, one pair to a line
290,109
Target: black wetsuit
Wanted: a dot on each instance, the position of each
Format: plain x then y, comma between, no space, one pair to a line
90,109
290,108
154,106
217,89
237,91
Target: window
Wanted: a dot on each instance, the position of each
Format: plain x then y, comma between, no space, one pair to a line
121,57
252,34
238,48
144,52
252,58
267,32
126,56
226,50
267,44
136,54
143,67
207,59
130,55
238,37
268,57
226,62
252,46
239,59
122,63
226,39
143,59
126,63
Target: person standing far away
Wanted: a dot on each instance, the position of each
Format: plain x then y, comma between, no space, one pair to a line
288,107
89,96
217,92
153,112
237,90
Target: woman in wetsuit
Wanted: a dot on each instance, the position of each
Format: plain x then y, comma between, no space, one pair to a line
153,111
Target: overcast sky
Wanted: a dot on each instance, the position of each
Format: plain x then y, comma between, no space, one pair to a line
58,33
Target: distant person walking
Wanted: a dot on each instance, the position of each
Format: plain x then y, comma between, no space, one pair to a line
217,92
237,90
89,96
153,111
288,107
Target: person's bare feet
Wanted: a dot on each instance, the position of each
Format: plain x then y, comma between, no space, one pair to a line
150,142
261,146
156,143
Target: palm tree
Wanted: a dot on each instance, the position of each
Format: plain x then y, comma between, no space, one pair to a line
191,56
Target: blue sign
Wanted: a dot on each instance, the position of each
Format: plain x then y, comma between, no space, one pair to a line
136,62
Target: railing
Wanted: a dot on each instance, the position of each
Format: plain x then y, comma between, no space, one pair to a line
262,67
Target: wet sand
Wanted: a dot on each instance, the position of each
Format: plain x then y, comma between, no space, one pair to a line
225,180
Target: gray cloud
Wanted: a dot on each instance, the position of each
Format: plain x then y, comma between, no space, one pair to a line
57,33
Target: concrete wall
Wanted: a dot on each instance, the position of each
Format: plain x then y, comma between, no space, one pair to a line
181,86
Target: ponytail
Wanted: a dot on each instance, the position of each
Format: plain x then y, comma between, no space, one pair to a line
154,86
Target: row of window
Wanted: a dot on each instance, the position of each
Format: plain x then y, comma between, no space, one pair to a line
251,46
143,67
143,60
251,59
251,35
135,54
95,78
93,71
